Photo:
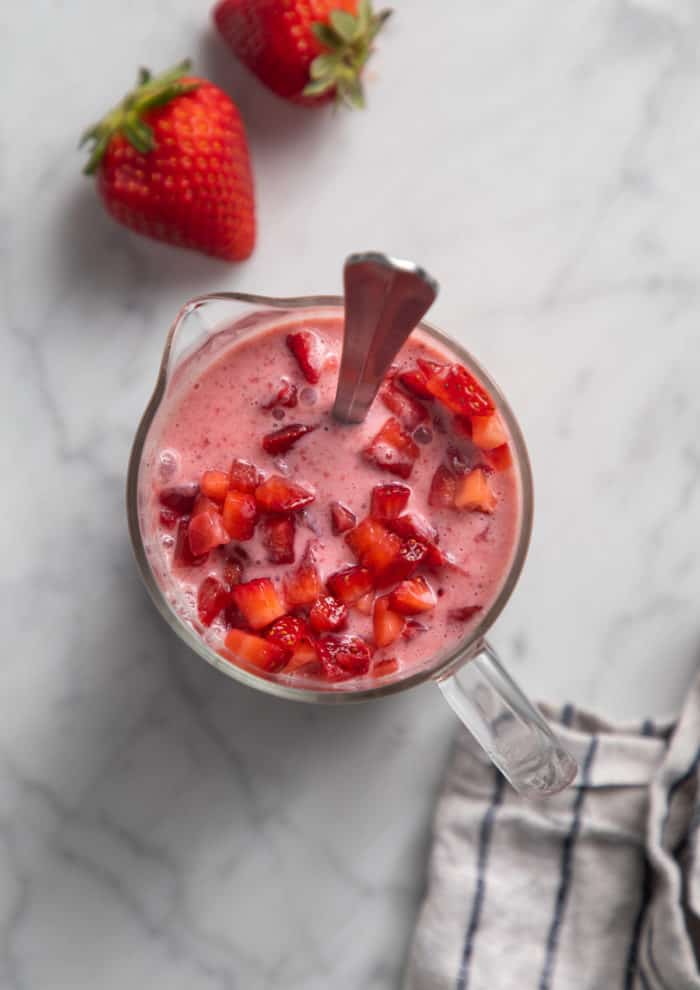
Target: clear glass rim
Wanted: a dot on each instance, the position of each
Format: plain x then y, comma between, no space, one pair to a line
447,664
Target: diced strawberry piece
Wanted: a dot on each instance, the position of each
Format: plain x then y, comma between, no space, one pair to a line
342,519
374,546
435,557
365,605
414,628
387,624
259,602
244,476
279,495
501,458
278,539
212,596
284,439
408,409
286,395
204,504
463,614
392,449
233,574
384,668
255,650
412,597
350,584
304,659
415,381
287,632
474,492
167,518
307,348
412,526
179,498
459,391
303,586
389,501
206,531
462,426
214,485
343,656
429,368
182,554
240,515
410,556
443,488
488,432
233,617
328,614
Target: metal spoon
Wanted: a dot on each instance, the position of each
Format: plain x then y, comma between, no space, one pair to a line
384,300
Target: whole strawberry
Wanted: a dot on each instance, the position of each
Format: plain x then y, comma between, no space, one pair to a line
308,51
172,162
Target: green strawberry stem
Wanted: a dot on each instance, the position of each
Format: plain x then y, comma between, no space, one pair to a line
348,43
127,117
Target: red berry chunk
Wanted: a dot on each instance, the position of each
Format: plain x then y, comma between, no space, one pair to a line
474,492
233,573
488,432
342,519
182,554
459,391
392,449
415,381
385,667
278,539
259,602
284,439
412,597
304,658
212,596
206,531
442,489
389,501
255,650
412,526
204,504
464,614
328,614
408,410
387,624
303,586
179,498
410,557
244,476
287,632
240,515
279,495
365,604
343,656
429,368
501,458
350,584
414,628
309,352
374,546
168,519
286,395
214,485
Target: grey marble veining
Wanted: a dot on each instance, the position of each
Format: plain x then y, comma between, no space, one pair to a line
159,825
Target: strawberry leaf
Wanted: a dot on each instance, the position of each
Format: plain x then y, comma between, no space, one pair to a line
344,24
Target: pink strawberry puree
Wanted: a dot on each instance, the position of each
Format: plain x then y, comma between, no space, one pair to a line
213,413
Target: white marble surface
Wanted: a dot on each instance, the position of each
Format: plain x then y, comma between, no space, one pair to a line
160,826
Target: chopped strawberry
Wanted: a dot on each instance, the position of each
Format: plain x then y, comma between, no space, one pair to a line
462,426
350,584
244,476
464,614
414,628
206,531
179,498
392,449
365,605
408,409
233,573
488,432
279,441
212,596
286,395
259,602
442,488
343,656
303,586
342,518
240,515
328,614
287,632
415,381
214,485
374,546
204,504
429,368
277,494
278,539
387,625
307,348
410,557
389,501
501,458
474,492
167,518
233,617
412,597
384,668
304,659
182,554
459,391
255,650
412,526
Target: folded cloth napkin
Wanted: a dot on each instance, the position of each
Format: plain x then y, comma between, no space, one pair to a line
596,888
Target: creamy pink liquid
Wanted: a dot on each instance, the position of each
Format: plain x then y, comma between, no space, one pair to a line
213,413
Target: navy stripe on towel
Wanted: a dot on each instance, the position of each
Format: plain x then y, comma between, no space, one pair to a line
567,857
480,888
648,727
567,714
633,951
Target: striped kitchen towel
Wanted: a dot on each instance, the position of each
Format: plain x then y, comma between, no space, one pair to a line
597,888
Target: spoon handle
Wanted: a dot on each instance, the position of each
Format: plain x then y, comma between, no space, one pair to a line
384,300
